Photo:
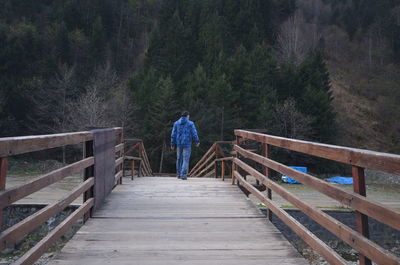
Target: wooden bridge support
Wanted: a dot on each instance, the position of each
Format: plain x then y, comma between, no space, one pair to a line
265,151
361,219
3,177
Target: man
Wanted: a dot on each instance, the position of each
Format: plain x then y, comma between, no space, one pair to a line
183,134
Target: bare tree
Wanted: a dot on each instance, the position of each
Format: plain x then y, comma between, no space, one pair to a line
89,110
296,39
290,122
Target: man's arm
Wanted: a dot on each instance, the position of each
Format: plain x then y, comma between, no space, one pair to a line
173,137
195,137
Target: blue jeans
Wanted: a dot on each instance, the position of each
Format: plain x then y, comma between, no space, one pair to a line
182,161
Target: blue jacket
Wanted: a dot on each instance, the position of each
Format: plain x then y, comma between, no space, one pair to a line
184,133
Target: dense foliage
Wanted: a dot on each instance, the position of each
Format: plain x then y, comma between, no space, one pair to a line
67,65
50,49
216,59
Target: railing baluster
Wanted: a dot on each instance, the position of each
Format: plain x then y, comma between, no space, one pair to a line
88,173
267,172
360,218
223,170
3,177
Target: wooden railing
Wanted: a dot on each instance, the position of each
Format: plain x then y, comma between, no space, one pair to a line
358,159
208,164
138,158
102,148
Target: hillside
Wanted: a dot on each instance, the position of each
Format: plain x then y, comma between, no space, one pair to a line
319,70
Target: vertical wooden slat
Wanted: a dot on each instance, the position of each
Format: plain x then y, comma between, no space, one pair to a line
123,155
267,172
133,168
88,173
233,164
361,219
215,162
3,177
223,170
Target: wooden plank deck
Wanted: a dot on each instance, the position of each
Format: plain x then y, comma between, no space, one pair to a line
160,220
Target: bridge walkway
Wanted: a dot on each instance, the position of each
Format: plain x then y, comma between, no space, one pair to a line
163,220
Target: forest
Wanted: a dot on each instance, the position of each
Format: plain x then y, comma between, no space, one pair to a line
326,71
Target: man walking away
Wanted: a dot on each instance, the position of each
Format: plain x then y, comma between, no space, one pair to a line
183,134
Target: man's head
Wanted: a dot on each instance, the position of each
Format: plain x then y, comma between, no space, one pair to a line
185,114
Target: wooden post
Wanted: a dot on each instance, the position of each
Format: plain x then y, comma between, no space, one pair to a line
123,155
3,177
133,168
88,173
223,170
215,162
139,169
267,172
361,219
233,164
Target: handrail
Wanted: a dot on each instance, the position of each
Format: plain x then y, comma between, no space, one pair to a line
357,158
385,162
137,152
25,144
364,207
210,160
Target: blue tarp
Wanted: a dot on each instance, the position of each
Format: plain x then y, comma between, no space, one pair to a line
293,181
340,180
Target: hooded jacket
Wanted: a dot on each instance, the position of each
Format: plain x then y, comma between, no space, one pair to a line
184,133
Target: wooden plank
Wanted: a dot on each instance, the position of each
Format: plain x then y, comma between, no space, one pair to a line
119,161
209,174
3,180
361,219
266,152
205,156
199,169
165,221
132,168
376,210
34,253
351,237
223,170
205,169
146,159
229,158
11,195
318,245
385,162
119,147
117,177
27,225
133,158
104,168
88,173
24,144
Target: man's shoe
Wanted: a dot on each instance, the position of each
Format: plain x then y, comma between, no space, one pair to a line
183,178
178,177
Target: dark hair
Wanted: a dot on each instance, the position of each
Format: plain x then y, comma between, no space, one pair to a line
185,113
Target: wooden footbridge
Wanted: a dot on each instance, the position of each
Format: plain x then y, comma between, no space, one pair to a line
163,220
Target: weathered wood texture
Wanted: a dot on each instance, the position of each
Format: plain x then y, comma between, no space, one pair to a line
104,160
358,202
331,256
14,233
389,163
168,221
3,178
34,253
351,237
24,144
11,195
